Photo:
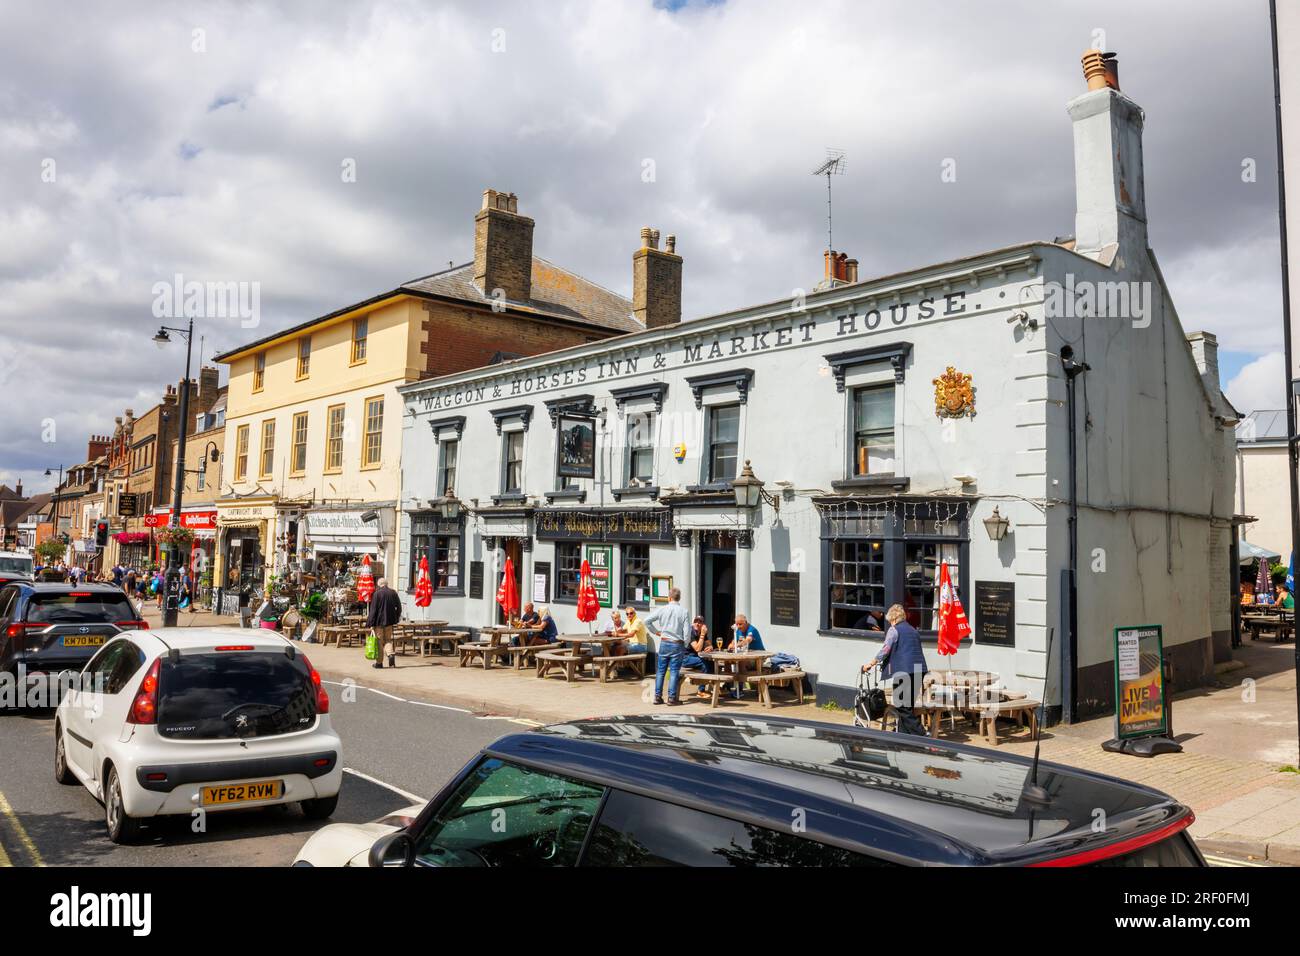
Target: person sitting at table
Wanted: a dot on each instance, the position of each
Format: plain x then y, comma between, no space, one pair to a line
696,645
530,617
636,640
1284,597
613,625
746,636
546,633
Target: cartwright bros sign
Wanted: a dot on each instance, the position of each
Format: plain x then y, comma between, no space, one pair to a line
562,524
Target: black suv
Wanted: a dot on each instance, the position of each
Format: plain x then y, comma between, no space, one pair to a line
50,628
728,791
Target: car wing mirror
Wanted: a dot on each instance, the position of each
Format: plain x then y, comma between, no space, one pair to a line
394,849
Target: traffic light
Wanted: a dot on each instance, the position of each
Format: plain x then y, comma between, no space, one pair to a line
101,533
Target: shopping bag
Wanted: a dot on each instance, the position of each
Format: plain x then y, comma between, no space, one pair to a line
372,647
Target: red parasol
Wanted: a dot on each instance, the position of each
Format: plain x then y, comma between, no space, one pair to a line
365,581
953,625
588,603
508,592
423,586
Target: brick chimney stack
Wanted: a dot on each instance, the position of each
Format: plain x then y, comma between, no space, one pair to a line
503,247
657,281
209,386
97,447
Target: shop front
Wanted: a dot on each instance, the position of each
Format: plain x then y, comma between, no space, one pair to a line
243,536
202,523
335,541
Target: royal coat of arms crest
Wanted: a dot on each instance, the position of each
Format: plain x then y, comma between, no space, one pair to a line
954,396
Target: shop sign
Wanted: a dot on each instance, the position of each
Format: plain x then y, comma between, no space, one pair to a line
1139,682
631,525
340,524
601,559
194,520
127,505
995,613
244,512
785,598
575,447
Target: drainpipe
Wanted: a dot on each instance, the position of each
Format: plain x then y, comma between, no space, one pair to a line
1070,650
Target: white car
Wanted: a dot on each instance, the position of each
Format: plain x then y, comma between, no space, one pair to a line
179,720
348,844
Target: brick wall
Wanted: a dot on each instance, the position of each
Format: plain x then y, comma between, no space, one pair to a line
460,338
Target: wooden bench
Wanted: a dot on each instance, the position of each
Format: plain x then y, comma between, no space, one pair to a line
1024,711
766,681
450,638
715,681
609,664
566,661
484,651
522,655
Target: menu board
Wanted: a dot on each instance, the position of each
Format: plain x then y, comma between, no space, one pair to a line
541,582
476,579
784,591
995,613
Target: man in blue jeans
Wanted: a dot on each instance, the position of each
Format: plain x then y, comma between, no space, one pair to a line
671,625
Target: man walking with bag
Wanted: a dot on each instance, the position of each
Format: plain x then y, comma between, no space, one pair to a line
385,611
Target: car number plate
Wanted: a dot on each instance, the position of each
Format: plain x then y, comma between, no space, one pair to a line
83,640
242,792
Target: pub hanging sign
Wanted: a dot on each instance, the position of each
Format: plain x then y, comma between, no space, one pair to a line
630,525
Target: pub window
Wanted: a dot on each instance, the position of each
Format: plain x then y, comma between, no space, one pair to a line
636,574
241,453
568,571
724,442
304,356
873,430
298,459
421,526
268,448
334,438
440,542
512,459
874,560
360,334
445,566
372,444
259,371
640,448
448,453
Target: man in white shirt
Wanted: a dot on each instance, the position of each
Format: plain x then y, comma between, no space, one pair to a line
672,626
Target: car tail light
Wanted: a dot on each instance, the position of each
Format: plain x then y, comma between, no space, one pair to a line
156,777
1121,847
138,625
144,709
17,629
234,647
79,594
322,698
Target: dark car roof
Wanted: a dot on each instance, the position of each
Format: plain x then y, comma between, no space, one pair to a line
909,799
62,587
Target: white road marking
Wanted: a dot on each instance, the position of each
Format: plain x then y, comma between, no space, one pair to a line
375,780
1229,861
525,721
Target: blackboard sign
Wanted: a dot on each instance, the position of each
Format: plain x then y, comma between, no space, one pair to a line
476,579
785,598
995,613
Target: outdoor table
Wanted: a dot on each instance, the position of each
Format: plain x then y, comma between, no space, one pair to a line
738,663
496,632
578,641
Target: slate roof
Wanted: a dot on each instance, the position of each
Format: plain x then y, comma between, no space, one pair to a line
556,293
14,510
1264,425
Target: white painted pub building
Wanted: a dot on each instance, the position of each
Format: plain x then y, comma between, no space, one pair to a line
895,423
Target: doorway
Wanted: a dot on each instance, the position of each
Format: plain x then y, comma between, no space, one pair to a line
514,553
718,583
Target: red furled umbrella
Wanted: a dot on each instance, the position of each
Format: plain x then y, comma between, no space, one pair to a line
953,625
365,581
423,586
588,603
508,592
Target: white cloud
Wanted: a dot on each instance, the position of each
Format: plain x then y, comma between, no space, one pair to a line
1260,384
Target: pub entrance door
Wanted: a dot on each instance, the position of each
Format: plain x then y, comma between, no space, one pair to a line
717,601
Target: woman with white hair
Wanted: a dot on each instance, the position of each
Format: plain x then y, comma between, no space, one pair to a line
902,661
548,633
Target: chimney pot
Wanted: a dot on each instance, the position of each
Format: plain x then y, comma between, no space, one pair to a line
851,270
1101,70
645,237
671,245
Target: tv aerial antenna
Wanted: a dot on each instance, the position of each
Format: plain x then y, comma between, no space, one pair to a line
835,164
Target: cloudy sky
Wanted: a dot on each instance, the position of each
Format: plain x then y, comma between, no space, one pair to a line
138,142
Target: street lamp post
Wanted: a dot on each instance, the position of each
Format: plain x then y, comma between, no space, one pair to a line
173,576
57,499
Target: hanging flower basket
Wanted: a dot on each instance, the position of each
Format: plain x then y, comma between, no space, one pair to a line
175,536
132,537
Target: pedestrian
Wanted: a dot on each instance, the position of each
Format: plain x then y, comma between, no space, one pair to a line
671,625
246,606
902,661
385,611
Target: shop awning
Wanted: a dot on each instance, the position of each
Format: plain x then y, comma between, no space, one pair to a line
1251,553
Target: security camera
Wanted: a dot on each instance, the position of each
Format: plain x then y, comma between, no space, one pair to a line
1021,316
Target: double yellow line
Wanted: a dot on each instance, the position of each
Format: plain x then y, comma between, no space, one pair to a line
9,823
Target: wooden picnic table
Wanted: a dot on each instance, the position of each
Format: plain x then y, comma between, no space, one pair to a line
496,633
738,663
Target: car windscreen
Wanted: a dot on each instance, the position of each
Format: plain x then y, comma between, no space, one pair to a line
234,694
79,607
15,565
